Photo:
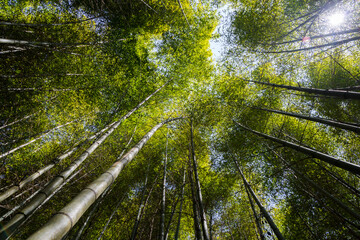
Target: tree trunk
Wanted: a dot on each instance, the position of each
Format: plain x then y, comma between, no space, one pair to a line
40,172
198,187
330,44
59,179
46,24
34,140
339,179
346,126
355,30
316,154
198,235
7,232
210,226
321,190
141,210
180,209
257,220
64,220
326,92
262,209
16,121
162,219
170,219
23,42
109,220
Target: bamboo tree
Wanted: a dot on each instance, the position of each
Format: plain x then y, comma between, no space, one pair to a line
319,155
198,187
346,126
331,44
326,92
19,120
47,24
257,220
167,229
47,132
92,211
141,208
56,161
262,209
181,205
163,209
198,235
67,217
58,180
111,216
350,211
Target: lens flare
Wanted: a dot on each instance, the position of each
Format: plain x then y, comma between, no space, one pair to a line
336,19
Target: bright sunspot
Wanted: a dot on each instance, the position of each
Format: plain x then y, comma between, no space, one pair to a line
336,19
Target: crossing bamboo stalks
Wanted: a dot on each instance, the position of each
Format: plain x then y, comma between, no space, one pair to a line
326,92
43,170
262,209
198,187
59,179
332,123
321,190
35,139
67,217
311,152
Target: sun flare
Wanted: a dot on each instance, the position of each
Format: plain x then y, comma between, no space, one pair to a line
336,19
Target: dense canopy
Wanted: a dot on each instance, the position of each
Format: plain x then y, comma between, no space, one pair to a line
182,119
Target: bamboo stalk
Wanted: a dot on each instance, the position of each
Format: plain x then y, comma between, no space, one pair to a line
67,217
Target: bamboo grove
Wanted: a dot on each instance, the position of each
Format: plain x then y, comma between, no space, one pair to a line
118,122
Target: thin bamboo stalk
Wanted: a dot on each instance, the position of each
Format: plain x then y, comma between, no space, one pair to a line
67,217
59,179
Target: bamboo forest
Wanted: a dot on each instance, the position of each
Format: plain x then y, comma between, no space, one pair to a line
180,119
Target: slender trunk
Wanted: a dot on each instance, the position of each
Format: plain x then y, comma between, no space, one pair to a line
34,140
142,209
346,126
141,206
341,218
198,235
321,190
336,43
210,226
167,229
64,220
320,36
262,209
59,179
14,209
163,199
311,152
46,24
109,220
198,187
339,179
43,170
7,232
326,92
307,225
257,220
180,209
183,12
23,42
20,120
